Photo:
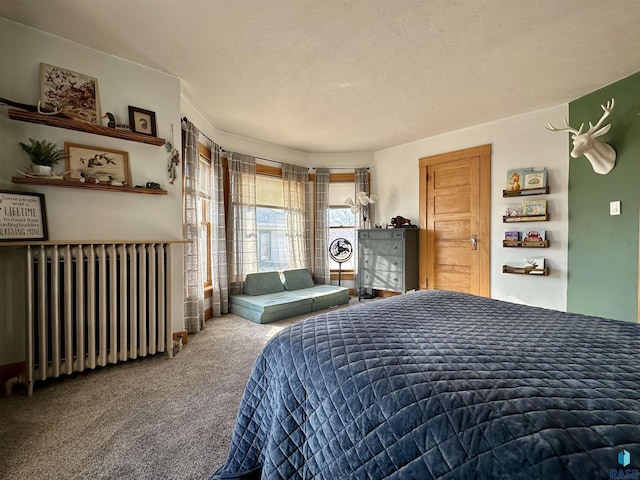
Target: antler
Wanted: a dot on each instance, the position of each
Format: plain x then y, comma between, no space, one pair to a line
607,111
567,128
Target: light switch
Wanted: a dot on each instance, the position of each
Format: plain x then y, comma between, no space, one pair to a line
614,208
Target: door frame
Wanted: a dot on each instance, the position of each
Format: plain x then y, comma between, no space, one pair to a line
484,221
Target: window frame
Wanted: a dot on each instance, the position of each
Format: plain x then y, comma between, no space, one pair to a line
347,177
205,221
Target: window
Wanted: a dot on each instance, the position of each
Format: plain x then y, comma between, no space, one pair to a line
271,220
342,223
205,222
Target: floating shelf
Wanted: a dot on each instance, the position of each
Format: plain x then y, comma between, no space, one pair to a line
86,186
521,244
525,191
525,218
86,127
536,272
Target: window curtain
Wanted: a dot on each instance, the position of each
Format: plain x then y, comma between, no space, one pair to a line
295,181
362,185
321,261
242,236
193,282
219,276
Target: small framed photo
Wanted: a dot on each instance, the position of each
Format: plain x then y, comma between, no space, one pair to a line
74,94
89,164
22,216
535,179
142,121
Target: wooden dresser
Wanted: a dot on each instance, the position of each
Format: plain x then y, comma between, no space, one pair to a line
387,259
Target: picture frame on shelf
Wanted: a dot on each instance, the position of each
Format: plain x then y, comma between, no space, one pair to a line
535,179
85,163
73,94
23,216
142,121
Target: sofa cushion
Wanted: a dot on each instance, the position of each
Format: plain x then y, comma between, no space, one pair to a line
297,279
263,282
269,307
324,296
270,302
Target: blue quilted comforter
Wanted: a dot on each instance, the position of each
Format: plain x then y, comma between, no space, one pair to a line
442,385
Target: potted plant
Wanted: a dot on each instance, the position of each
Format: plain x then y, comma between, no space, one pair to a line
43,155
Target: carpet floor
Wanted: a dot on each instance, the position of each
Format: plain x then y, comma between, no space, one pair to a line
152,418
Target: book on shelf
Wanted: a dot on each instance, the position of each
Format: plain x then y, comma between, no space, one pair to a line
535,179
534,236
534,207
514,210
512,236
515,178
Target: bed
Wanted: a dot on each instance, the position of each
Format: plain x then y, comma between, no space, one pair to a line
442,385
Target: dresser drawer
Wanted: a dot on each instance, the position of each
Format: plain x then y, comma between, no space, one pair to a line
387,264
381,247
382,234
382,280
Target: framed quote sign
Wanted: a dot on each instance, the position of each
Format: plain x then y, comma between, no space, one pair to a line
22,216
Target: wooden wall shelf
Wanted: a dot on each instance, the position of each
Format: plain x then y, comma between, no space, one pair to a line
525,192
538,272
86,127
525,218
521,244
88,186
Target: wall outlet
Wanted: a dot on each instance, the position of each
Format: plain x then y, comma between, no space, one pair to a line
614,208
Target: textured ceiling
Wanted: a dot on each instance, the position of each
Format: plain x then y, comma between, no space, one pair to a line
358,75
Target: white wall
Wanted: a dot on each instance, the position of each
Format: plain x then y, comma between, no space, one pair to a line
520,141
76,214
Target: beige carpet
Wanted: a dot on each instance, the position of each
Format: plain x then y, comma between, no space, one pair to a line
151,418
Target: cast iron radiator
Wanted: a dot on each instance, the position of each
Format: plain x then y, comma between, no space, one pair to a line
91,305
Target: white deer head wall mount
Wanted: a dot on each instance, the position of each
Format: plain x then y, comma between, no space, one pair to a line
602,156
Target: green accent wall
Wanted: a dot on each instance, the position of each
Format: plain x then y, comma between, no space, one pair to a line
602,249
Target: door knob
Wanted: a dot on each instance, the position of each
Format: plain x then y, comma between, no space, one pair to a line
474,242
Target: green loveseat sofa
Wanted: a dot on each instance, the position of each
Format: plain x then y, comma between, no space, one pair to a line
271,296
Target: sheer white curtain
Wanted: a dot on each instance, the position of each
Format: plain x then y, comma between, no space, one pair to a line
242,236
219,274
321,263
193,278
295,182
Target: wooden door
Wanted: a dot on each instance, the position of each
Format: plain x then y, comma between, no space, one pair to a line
455,221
